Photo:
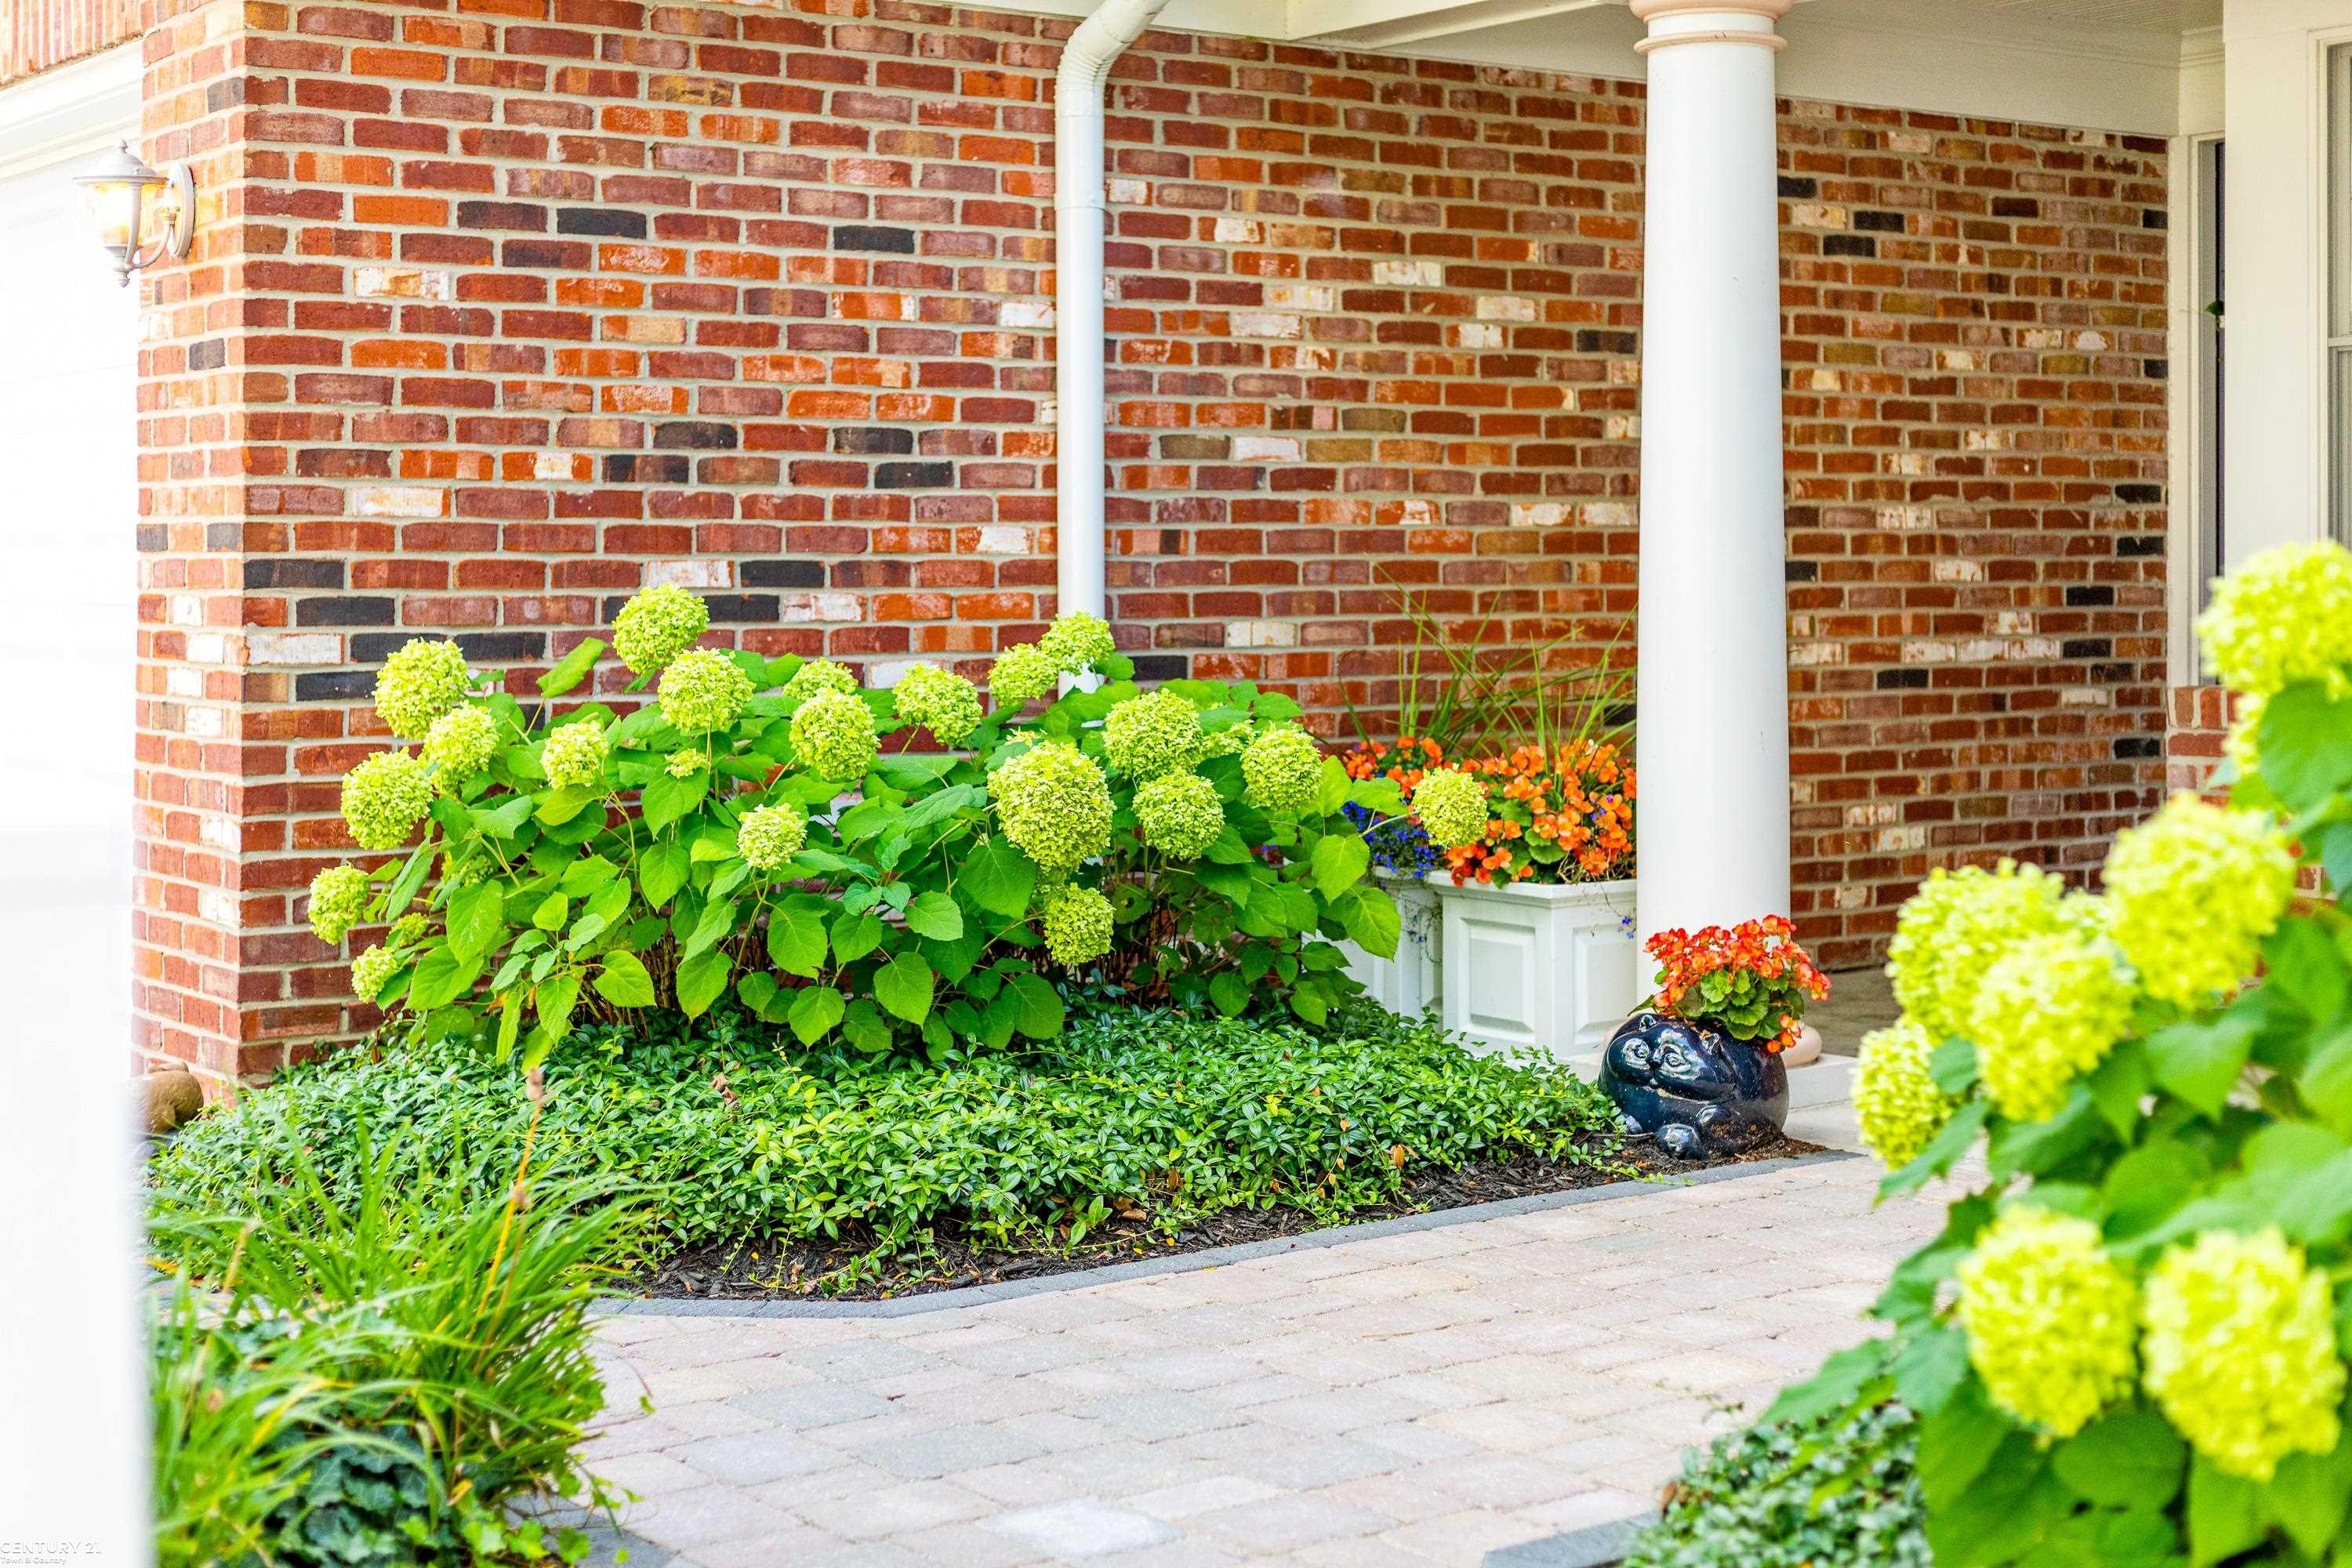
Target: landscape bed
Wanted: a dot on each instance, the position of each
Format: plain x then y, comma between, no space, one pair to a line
747,1271
793,1173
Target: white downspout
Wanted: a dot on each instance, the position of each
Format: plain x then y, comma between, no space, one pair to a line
1079,219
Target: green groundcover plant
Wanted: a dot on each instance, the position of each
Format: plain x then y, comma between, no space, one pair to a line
1836,1491
2127,1345
762,827
355,1371
1178,1117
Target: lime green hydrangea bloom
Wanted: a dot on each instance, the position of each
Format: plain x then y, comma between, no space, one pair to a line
1229,742
818,675
2195,889
1895,1097
833,733
1157,733
1021,675
407,930
684,764
2241,744
1960,923
371,972
770,835
574,755
2050,1318
703,692
2240,1350
462,742
1452,806
385,798
2047,1011
941,700
423,681
656,626
338,897
1282,769
1054,805
2284,616
1077,641
1180,814
1077,924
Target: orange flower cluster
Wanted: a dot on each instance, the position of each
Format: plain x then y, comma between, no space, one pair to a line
1738,978
1560,815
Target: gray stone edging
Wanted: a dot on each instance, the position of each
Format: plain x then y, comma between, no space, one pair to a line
1207,1257
1594,1546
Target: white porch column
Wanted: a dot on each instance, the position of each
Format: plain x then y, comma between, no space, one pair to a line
1714,683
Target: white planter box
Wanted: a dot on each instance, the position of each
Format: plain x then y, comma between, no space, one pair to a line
1554,968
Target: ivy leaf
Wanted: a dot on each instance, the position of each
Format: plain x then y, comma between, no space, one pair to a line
1338,862
904,985
935,915
661,872
702,980
796,940
573,669
623,980
815,1010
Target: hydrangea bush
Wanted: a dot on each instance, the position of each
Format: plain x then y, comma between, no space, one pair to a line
763,826
2127,1346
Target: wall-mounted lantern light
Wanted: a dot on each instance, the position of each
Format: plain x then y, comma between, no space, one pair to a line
142,216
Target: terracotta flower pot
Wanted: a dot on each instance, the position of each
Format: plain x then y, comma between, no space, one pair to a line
1699,1092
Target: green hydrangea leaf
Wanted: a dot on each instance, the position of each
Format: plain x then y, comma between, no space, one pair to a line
702,980
2128,1458
816,1010
904,985
623,980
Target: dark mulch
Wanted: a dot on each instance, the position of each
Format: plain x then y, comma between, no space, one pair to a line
754,1271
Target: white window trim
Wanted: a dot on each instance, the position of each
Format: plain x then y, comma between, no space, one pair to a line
83,108
2324,342
2193,495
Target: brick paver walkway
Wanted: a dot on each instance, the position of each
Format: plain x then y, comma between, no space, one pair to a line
1409,1399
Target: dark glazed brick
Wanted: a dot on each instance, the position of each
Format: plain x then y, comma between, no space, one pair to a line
1591,341
2139,746
334,685
913,476
630,469
374,648
358,612
608,221
1798,190
873,440
862,237
761,609
292,572
570,255
1848,245
2088,594
1902,680
2140,545
696,435
2139,495
2088,648
1162,666
2156,217
1800,571
2016,207
1880,223
502,214
781,573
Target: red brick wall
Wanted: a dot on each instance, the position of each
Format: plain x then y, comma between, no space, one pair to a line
38,34
537,301
2198,727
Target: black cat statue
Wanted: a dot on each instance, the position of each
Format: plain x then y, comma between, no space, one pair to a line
1699,1092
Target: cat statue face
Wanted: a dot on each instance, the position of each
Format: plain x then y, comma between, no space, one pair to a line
1699,1093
